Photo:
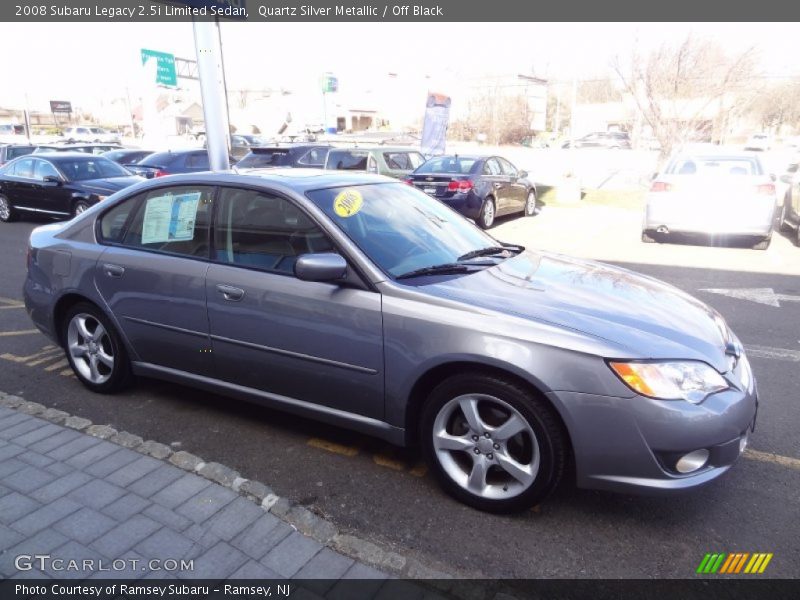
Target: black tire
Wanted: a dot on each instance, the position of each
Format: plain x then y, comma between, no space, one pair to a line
120,376
783,222
484,221
7,212
531,208
79,207
797,236
763,244
540,417
647,238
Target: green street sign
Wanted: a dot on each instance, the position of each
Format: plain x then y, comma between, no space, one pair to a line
165,72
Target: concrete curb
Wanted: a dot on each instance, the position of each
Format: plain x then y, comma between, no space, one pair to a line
299,517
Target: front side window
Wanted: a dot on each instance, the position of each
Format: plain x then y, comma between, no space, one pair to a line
314,157
508,168
260,230
399,227
44,169
347,160
174,220
492,168
83,169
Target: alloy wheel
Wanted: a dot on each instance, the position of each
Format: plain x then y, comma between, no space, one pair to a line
89,345
530,204
488,212
5,209
81,207
486,446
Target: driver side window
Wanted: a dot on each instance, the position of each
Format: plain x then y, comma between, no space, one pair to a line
263,231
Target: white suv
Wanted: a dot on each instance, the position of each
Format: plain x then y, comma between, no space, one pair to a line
90,134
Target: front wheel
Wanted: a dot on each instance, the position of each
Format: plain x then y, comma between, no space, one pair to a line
491,444
7,212
530,204
486,218
94,350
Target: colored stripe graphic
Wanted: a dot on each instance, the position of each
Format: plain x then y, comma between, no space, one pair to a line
724,563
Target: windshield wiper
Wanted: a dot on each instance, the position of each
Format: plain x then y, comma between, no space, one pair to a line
443,269
490,251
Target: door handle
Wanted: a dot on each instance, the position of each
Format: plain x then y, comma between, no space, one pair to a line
113,270
230,293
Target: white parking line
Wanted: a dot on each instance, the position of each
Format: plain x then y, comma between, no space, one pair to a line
775,353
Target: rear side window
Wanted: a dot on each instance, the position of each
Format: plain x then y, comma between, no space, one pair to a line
347,160
15,151
197,161
265,158
406,161
112,223
314,157
173,220
23,168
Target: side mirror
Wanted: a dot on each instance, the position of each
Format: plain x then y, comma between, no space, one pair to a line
52,180
320,267
522,174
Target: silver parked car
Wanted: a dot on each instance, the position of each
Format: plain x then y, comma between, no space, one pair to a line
363,302
720,194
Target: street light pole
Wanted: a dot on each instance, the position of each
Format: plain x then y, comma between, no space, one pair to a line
212,91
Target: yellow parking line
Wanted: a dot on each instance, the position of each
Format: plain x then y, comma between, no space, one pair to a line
419,470
59,365
333,447
776,459
387,461
25,359
12,333
7,307
10,301
67,373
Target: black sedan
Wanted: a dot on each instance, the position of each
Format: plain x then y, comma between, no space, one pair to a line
127,156
285,155
58,184
172,162
479,187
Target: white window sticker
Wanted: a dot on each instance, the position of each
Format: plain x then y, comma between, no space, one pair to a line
170,218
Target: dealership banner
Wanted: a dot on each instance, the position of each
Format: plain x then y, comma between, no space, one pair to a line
434,128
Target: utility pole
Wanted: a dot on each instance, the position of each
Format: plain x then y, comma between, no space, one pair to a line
212,90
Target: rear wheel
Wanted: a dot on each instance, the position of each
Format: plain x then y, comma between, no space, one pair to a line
94,349
79,207
486,218
492,444
7,212
530,204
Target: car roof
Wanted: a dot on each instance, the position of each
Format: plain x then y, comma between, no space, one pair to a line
65,155
298,180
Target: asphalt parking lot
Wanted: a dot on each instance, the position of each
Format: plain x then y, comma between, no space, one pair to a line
385,494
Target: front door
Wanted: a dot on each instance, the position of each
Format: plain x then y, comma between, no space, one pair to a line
316,342
152,276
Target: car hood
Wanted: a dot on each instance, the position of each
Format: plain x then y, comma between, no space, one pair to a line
645,317
109,185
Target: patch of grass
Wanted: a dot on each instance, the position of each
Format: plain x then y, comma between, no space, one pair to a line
627,199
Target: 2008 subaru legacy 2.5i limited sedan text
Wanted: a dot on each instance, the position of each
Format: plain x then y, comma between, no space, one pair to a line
361,301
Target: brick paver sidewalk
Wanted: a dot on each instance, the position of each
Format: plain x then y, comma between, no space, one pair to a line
76,497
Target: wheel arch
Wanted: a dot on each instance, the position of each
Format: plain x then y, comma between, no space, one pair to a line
426,382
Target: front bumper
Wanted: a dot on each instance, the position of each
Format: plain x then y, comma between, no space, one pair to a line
631,444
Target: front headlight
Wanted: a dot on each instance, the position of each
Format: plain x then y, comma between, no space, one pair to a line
687,380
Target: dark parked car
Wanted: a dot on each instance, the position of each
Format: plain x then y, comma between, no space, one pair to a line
285,155
614,140
85,148
58,184
394,162
9,152
172,162
478,187
241,144
364,303
127,156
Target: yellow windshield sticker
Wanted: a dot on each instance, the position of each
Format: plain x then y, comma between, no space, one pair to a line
347,203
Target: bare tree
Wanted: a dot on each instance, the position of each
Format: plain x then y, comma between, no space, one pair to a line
687,91
778,105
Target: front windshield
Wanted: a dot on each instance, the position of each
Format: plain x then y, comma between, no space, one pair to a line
400,228
82,169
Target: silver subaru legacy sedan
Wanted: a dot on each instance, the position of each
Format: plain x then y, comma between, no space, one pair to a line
364,303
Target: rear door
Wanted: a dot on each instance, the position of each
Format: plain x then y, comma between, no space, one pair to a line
499,183
152,275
